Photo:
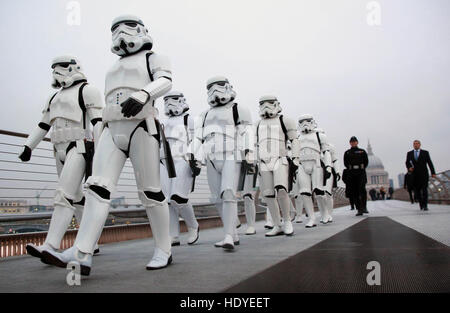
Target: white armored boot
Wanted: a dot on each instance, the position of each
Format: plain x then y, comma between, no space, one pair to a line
158,214
309,208
322,203
323,215
174,226
78,216
72,254
61,218
269,221
187,212
285,203
277,230
36,251
298,209
235,236
250,213
229,218
330,205
94,217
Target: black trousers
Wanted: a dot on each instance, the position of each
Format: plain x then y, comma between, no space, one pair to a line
421,193
411,196
357,189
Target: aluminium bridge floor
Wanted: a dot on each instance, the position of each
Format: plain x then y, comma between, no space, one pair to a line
411,247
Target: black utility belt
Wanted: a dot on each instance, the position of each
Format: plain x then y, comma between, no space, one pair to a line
357,167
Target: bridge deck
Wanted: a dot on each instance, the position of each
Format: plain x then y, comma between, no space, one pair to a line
202,268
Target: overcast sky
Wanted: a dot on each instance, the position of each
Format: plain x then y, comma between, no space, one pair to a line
388,83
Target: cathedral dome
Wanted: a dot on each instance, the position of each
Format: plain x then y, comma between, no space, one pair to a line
374,161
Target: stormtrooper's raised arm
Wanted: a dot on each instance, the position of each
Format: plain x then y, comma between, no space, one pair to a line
93,102
162,76
38,134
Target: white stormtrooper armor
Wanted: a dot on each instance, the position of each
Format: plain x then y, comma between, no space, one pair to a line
248,194
314,156
273,133
132,85
328,202
179,129
222,139
68,113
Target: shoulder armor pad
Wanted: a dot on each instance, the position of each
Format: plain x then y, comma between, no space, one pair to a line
244,115
92,97
159,63
289,123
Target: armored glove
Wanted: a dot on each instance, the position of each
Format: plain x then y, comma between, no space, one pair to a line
194,165
26,154
327,173
249,162
134,104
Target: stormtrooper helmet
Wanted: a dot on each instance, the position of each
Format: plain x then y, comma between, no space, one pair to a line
175,103
269,106
129,35
66,70
220,92
306,123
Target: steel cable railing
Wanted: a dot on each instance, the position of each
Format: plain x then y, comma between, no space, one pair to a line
21,182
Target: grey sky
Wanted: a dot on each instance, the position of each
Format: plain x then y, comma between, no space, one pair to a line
386,83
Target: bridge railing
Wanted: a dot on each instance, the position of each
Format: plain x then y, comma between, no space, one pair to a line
438,189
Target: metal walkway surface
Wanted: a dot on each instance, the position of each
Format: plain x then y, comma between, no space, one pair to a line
408,262
421,239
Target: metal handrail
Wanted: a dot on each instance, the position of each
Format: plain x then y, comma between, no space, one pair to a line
30,173
17,134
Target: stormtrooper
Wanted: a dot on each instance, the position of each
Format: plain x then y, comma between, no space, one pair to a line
323,200
223,140
68,112
178,129
331,183
314,167
132,85
274,132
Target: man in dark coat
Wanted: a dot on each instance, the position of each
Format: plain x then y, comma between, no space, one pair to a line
356,161
416,163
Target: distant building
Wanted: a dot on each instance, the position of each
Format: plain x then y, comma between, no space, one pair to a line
377,177
401,180
116,202
14,206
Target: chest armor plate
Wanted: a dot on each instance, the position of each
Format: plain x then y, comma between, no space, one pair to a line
65,105
129,72
219,131
128,75
271,140
309,147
